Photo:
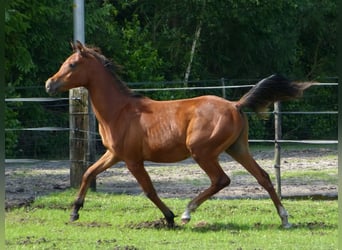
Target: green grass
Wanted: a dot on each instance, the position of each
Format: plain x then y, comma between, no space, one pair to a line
291,146
125,222
311,176
329,176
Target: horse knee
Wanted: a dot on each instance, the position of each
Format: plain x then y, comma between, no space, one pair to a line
88,176
222,182
225,181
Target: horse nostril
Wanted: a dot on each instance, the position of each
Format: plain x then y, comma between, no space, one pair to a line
49,87
47,84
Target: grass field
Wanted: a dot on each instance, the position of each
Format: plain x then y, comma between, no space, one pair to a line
118,222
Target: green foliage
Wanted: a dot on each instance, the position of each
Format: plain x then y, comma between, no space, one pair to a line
44,144
153,39
11,122
316,51
11,137
308,126
37,35
142,60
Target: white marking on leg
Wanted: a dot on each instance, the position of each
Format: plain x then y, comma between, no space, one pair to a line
186,216
284,217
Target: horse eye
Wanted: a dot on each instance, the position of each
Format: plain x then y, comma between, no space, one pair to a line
72,65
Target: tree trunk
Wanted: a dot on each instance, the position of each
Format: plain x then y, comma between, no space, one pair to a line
192,53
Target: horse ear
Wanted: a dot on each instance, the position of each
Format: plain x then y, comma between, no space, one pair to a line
73,46
79,46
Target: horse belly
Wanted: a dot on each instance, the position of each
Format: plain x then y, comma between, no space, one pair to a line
167,156
165,146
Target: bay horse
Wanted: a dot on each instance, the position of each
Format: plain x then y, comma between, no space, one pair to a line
135,128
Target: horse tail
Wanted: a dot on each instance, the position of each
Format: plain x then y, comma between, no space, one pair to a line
269,90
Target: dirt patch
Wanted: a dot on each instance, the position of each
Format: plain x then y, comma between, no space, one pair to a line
25,181
157,224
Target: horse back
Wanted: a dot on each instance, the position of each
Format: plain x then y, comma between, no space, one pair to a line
169,130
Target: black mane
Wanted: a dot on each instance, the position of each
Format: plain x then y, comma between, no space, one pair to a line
113,68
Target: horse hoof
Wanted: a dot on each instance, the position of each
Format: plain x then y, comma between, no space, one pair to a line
169,217
287,225
171,225
74,217
185,220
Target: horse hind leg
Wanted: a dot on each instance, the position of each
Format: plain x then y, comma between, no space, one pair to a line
218,179
241,154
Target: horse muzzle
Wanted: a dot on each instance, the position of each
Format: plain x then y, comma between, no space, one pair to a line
51,86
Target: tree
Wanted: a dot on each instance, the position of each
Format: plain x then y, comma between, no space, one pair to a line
32,51
153,41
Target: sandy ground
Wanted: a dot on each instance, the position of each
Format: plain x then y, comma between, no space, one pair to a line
27,180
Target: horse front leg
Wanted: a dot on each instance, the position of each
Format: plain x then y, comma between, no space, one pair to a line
106,161
144,180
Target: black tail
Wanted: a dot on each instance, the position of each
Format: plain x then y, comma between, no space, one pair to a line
269,90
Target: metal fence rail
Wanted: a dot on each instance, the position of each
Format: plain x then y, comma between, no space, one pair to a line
277,113
222,87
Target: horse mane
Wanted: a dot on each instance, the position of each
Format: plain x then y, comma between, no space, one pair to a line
112,67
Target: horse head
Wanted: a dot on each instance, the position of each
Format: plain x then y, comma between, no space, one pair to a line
73,73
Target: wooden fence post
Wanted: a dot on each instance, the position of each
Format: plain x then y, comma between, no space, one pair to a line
82,119
277,148
80,136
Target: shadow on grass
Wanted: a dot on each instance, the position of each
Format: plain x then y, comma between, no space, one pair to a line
233,227
204,226
198,227
315,225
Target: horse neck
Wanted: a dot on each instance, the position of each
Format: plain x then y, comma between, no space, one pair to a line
107,97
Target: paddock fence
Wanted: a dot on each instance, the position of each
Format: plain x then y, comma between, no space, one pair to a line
44,134
42,129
